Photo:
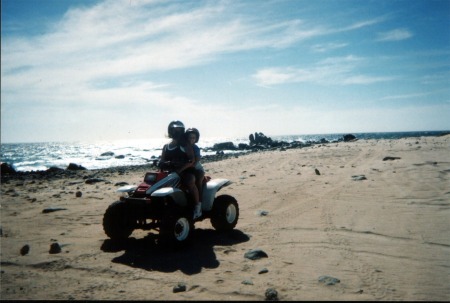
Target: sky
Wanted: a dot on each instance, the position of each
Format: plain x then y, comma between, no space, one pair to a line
94,70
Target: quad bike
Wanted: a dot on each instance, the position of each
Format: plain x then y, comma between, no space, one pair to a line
161,203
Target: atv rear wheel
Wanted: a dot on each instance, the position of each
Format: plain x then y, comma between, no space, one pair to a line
225,213
117,224
176,228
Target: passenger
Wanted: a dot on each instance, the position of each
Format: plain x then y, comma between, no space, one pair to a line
193,135
180,156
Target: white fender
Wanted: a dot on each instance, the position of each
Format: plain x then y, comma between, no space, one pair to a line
177,194
209,192
127,188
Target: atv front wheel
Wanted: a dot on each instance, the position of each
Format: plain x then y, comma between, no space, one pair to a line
176,229
117,224
225,213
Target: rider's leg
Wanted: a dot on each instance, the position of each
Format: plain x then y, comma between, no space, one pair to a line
199,176
189,181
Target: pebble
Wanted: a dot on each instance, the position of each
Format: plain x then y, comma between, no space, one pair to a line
52,209
271,294
359,178
255,254
25,250
180,287
327,280
55,248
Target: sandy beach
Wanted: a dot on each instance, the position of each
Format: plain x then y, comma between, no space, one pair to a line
372,214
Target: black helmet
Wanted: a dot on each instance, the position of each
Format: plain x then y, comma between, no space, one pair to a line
195,131
175,125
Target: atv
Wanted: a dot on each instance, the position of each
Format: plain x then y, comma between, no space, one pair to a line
163,204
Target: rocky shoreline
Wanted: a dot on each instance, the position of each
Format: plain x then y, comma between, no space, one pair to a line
258,142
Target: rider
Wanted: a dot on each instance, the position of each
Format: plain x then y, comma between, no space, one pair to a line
193,135
181,157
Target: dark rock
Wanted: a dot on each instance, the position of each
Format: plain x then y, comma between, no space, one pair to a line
54,169
271,294
255,254
224,146
317,172
327,280
107,154
78,194
94,180
73,166
263,213
25,250
247,282
55,248
349,137
52,209
263,271
251,138
121,183
180,287
359,178
243,146
390,158
7,169
120,157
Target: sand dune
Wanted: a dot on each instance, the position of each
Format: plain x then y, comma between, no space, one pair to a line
380,227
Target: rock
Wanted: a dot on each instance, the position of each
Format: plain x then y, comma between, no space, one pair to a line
52,209
263,213
25,250
317,172
180,287
121,183
7,169
390,158
55,169
78,194
271,294
224,146
255,254
247,282
94,180
55,248
263,271
73,166
120,157
107,154
251,138
327,280
359,178
349,137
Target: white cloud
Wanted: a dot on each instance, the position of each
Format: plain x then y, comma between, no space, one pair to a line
326,47
395,35
329,71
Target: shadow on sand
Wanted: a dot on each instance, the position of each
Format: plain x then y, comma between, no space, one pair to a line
199,253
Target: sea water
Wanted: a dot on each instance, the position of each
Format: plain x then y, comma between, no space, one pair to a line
42,156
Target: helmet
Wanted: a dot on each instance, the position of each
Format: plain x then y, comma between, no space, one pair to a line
195,131
175,125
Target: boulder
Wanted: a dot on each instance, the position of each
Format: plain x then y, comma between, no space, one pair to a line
224,146
73,166
349,137
7,169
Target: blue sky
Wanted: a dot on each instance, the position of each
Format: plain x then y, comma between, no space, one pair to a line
104,70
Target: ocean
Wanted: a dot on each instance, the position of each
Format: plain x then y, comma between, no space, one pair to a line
42,156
